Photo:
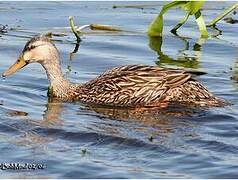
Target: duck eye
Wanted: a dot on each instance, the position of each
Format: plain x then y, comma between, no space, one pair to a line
31,47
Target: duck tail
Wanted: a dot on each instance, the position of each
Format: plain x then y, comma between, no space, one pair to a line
216,102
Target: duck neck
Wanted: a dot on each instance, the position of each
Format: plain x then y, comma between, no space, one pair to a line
58,84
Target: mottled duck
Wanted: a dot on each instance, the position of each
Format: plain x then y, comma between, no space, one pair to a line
124,86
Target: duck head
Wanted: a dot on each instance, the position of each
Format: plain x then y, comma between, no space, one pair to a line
39,49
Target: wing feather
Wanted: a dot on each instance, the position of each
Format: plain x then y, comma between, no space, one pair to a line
133,85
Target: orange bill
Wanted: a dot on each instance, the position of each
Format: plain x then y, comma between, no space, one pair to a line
20,63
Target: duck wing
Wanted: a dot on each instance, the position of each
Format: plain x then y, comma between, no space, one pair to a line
134,85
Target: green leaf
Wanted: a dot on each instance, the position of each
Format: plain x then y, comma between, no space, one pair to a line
193,6
227,11
201,24
156,27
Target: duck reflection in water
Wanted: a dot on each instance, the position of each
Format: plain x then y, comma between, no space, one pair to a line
28,127
108,121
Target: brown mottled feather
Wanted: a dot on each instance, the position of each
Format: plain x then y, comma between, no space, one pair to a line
145,86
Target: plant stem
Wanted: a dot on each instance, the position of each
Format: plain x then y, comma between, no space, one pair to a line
76,33
201,24
180,24
227,11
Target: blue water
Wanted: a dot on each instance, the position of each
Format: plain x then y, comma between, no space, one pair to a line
74,141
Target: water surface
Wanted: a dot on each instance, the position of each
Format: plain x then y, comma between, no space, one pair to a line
75,141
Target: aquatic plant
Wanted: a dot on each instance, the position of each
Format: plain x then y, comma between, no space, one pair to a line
78,31
218,18
192,8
